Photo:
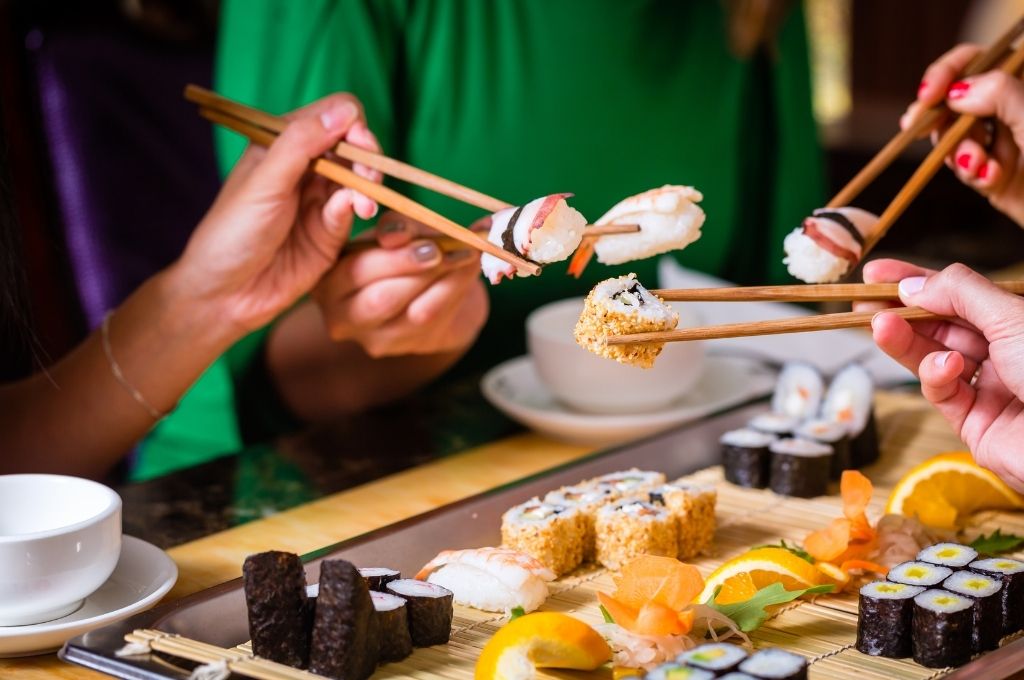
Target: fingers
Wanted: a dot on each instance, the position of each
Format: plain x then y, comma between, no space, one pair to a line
887,270
360,135
909,346
337,216
394,230
992,94
944,385
936,81
362,269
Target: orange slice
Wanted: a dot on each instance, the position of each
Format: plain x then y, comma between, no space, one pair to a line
739,588
943,491
541,640
764,567
834,575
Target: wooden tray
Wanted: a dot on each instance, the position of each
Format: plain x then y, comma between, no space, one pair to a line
823,630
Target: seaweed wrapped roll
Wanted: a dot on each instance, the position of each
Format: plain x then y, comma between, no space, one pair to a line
798,391
553,534
392,623
344,643
1011,573
987,610
717,657
885,618
430,610
952,555
942,628
919,574
677,671
275,596
745,457
831,434
775,664
378,577
778,424
850,401
800,468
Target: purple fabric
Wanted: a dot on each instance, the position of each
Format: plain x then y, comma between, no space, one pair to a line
132,162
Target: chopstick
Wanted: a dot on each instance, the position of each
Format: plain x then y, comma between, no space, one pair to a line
378,192
899,143
844,292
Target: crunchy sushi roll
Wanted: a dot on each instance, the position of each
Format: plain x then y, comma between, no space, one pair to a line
392,624
850,401
777,664
630,528
800,467
987,610
717,657
378,577
674,670
919,574
629,482
669,219
278,607
621,306
544,230
491,579
430,610
1011,573
829,244
798,391
942,629
554,534
778,424
745,457
585,499
884,619
344,634
952,555
693,508
832,434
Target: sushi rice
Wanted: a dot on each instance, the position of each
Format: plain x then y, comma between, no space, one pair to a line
919,574
669,219
776,664
799,390
952,555
828,244
544,230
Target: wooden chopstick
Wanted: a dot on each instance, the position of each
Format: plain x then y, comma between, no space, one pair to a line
843,292
379,193
996,52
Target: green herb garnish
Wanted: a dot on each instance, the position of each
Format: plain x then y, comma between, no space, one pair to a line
793,548
607,617
997,542
750,614
516,613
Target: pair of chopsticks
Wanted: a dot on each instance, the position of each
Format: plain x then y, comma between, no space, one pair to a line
846,292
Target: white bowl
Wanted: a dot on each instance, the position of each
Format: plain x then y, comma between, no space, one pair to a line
592,384
60,539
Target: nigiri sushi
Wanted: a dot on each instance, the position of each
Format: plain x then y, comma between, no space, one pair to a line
491,579
544,230
828,244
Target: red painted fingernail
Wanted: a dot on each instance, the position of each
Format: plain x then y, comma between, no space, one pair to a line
964,160
958,89
983,171
920,88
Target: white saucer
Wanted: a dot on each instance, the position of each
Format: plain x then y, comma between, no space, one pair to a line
142,576
515,389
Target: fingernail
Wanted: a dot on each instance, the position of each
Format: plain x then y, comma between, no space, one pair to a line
920,88
964,160
983,171
391,226
911,285
941,359
425,251
958,89
337,117
460,255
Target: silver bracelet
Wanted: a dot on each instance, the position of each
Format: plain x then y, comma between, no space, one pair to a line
119,374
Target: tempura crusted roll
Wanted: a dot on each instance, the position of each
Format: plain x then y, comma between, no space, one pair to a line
430,610
275,596
798,391
987,608
716,657
544,230
630,482
800,468
952,555
392,624
586,499
693,508
1011,573
669,219
746,459
884,619
553,534
620,306
828,244
942,629
630,528
919,574
378,577
831,434
777,664
850,401
344,633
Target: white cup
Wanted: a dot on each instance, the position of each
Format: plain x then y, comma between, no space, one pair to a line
592,384
60,539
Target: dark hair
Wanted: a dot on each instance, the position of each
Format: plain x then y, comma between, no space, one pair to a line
17,341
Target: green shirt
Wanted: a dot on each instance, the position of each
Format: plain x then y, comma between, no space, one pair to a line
520,98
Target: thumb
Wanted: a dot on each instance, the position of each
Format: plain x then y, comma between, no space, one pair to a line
991,94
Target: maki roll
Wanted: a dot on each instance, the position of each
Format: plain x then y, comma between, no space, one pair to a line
778,424
553,534
717,657
828,244
736,675
629,482
832,434
544,230
676,671
777,664
430,610
885,619
344,643
799,390
630,528
279,609
942,629
669,219
919,574
585,499
392,623
693,508
619,306
745,457
800,467
850,402
987,610
952,555
378,577
1011,573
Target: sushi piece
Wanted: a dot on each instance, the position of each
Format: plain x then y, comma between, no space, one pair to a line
1011,573
585,499
884,619
829,244
669,219
628,482
798,391
745,457
942,624
630,528
919,574
736,675
544,230
778,424
378,577
491,579
987,610
800,467
674,670
832,434
717,657
693,508
344,645
850,401
554,534
430,610
392,624
775,664
952,555
275,597
619,306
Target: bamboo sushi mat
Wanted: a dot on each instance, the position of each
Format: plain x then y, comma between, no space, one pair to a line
823,630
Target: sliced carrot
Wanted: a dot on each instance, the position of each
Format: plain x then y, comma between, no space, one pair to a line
829,543
856,490
657,619
738,588
863,565
581,257
622,614
664,580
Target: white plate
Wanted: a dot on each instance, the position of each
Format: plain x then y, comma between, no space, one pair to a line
143,575
515,389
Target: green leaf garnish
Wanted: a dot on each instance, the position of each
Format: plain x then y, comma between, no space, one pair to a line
793,548
516,613
607,617
997,542
750,614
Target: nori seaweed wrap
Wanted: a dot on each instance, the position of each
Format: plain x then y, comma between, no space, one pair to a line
987,611
745,457
885,619
942,629
831,434
1011,573
378,577
275,596
344,637
392,626
430,610
800,468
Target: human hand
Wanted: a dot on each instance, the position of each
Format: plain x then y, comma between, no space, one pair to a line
993,167
971,367
405,297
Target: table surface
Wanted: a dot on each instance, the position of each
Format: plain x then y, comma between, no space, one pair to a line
216,558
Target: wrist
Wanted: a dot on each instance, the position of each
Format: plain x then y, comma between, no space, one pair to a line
192,315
